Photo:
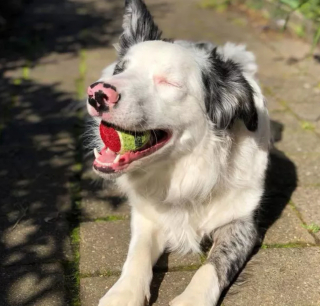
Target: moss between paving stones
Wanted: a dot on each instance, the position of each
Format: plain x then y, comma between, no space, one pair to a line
109,218
297,244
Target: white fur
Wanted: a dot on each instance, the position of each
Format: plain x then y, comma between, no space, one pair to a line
201,180
202,290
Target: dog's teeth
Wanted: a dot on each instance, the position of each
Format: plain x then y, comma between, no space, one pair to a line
116,159
96,153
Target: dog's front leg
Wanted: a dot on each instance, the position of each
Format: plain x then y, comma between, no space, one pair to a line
233,244
147,244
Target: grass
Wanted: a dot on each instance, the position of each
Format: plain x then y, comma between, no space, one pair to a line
26,73
72,273
307,126
71,269
109,218
285,245
218,5
314,228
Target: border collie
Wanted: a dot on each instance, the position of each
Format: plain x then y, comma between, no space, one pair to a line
202,173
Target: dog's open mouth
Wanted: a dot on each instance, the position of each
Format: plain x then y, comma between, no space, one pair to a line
108,161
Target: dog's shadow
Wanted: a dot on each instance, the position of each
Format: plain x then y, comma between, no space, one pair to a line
281,181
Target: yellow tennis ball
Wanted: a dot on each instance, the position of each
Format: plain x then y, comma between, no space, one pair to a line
133,141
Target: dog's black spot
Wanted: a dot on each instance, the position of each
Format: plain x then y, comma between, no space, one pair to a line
229,96
120,67
92,102
105,85
94,84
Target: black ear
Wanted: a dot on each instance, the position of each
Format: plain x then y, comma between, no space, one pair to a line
228,95
138,26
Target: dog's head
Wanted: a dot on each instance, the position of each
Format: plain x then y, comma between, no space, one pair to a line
178,90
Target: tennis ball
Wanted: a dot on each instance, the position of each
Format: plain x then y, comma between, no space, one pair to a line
123,141
132,141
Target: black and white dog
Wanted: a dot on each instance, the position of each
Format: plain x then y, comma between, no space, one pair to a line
202,173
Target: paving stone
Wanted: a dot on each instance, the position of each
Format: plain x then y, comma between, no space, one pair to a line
175,261
276,277
52,132
36,285
103,246
35,180
92,289
34,239
164,287
307,200
100,198
63,72
308,166
292,87
317,128
280,277
293,137
287,229
290,48
310,66
272,104
107,251
309,109
97,60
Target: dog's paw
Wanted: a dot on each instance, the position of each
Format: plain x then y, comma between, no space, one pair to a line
120,298
187,300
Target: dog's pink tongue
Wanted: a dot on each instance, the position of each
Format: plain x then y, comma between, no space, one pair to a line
106,156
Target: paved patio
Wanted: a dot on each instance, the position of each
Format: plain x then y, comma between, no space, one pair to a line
64,236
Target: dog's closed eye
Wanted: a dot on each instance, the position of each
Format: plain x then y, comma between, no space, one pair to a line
164,81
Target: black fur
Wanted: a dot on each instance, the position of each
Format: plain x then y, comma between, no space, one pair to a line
120,67
233,243
142,29
229,96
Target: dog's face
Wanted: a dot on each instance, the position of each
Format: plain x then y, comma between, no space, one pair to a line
178,91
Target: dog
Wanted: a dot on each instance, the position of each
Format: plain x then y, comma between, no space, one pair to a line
202,173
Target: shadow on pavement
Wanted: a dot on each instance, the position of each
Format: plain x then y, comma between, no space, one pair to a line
39,144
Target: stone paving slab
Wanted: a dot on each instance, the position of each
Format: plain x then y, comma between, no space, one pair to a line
308,168
97,60
106,252
280,277
307,201
36,285
52,132
38,185
92,289
272,104
100,198
274,277
287,229
34,239
164,287
294,138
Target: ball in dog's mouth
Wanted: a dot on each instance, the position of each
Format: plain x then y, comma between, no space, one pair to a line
122,147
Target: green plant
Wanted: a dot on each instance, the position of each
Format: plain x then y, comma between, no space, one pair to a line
314,228
310,9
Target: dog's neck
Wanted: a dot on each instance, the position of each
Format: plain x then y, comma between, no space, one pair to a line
182,180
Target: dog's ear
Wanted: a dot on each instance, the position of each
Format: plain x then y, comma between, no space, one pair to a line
228,94
138,26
